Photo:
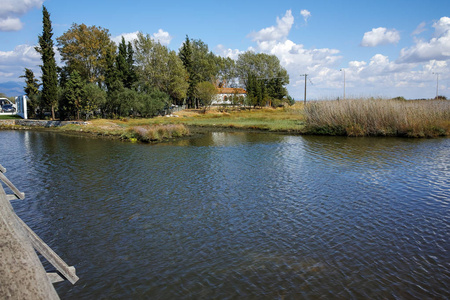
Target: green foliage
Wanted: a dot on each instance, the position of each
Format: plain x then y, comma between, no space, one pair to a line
48,67
205,92
160,68
399,98
94,98
200,64
84,49
72,101
153,103
264,78
32,91
125,65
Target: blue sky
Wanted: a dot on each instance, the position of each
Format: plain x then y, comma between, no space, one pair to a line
386,48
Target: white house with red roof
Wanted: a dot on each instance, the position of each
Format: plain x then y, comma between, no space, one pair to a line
225,96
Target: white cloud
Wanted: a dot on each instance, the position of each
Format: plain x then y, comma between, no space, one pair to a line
163,37
10,24
306,14
226,52
275,33
129,37
380,36
13,63
437,48
11,10
420,28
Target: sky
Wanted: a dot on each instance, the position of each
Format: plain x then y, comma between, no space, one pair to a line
372,48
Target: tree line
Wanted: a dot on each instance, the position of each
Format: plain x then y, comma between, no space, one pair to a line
142,77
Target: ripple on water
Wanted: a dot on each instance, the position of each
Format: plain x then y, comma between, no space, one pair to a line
239,215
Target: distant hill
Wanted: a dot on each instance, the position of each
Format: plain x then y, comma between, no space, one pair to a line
12,88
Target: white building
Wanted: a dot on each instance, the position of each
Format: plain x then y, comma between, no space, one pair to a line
225,96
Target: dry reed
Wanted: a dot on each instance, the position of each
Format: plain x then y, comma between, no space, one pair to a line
378,117
152,133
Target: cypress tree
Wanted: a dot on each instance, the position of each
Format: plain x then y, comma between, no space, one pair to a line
186,57
131,76
31,90
49,95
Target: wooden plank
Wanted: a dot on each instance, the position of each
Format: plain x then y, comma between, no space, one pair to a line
12,187
54,277
2,169
22,275
49,254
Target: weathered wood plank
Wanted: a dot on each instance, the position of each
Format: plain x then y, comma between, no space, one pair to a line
49,254
54,277
12,187
22,275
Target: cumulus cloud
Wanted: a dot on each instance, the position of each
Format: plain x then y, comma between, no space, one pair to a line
13,63
306,14
129,37
226,52
10,24
11,10
437,48
275,33
163,37
380,36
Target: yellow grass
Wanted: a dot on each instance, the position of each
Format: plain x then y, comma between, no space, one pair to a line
378,117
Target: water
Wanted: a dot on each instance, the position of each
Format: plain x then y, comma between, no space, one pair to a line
239,215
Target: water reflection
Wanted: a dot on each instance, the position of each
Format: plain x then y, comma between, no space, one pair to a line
239,215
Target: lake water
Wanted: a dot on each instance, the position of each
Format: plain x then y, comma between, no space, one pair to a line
232,215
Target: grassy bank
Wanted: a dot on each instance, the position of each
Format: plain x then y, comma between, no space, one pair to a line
122,129
378,117
360,117
280,119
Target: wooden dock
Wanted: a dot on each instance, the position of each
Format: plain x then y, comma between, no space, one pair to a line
22,275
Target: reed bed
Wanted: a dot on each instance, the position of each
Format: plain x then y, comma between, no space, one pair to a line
379,117
155,133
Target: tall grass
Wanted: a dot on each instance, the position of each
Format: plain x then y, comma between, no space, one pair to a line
379,117
153,133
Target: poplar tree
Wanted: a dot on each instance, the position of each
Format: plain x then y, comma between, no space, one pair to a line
49,95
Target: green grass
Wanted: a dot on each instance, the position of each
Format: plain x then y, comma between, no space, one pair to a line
9,117
280,119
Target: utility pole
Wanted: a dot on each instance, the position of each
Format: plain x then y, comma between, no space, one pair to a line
437,84
305,75
344,82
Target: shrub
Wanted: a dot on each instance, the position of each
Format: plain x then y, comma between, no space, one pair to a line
155,133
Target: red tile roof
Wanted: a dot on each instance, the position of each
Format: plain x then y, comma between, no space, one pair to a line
231,91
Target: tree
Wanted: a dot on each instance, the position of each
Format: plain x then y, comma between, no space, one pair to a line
94,98
84,49
160,68
49,95
200,63
205,92
186,57
31,90
263,77
125,64
72,101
